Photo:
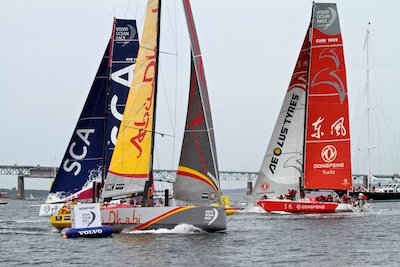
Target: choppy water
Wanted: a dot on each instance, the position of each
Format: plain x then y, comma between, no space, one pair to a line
252,239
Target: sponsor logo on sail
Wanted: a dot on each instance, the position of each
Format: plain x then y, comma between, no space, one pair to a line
264,186
283,133
329,153
78,152
345,182
326,56
143,125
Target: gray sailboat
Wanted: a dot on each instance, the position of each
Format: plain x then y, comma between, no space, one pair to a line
131,169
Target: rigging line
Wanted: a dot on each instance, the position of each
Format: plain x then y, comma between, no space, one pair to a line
356,105
170,22
168,53
148,131
166,95
126,10
385,97
381,99
155,154
161,52
199,131
137,7
175,87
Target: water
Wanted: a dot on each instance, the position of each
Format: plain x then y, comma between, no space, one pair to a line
252,239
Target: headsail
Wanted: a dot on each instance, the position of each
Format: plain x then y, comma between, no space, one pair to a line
197,177
130,163
84,159
282,164
327,145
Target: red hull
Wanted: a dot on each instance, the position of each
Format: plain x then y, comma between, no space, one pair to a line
277,205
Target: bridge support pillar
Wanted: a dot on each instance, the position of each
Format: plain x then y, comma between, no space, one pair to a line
249,188
21,187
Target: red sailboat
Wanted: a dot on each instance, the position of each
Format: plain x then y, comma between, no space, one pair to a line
310,146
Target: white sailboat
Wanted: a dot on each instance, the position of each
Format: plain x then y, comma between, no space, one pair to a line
392,192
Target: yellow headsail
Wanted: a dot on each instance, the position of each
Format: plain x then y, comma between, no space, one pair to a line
130,163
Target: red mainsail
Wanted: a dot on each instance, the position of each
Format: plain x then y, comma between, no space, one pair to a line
327,161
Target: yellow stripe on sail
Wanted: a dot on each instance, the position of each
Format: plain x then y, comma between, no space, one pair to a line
197,175
132,151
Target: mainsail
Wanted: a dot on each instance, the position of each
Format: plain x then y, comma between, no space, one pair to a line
315,106
197,178
130,165
282,164
86,155
125,46
327,144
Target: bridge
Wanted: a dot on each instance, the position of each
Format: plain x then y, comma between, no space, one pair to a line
169,176
159,175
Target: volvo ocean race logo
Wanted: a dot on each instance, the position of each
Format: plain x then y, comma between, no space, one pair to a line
325,17
283,133
210,216
126,33
329,153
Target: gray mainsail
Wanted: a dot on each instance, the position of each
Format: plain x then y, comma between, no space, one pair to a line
197,178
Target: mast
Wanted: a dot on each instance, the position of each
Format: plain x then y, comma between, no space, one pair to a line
301,182
106,106
368,109
150,181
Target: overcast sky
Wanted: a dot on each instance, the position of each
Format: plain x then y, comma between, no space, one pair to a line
50,52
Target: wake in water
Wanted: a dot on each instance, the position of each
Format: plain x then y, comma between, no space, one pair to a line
179,229
252,209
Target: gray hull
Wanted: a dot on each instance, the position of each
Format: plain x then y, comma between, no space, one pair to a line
129,218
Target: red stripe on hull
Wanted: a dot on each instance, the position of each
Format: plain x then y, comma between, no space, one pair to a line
272,205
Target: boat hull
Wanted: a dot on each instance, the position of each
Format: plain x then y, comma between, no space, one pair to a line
61,221
289,206
129,218
379,195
